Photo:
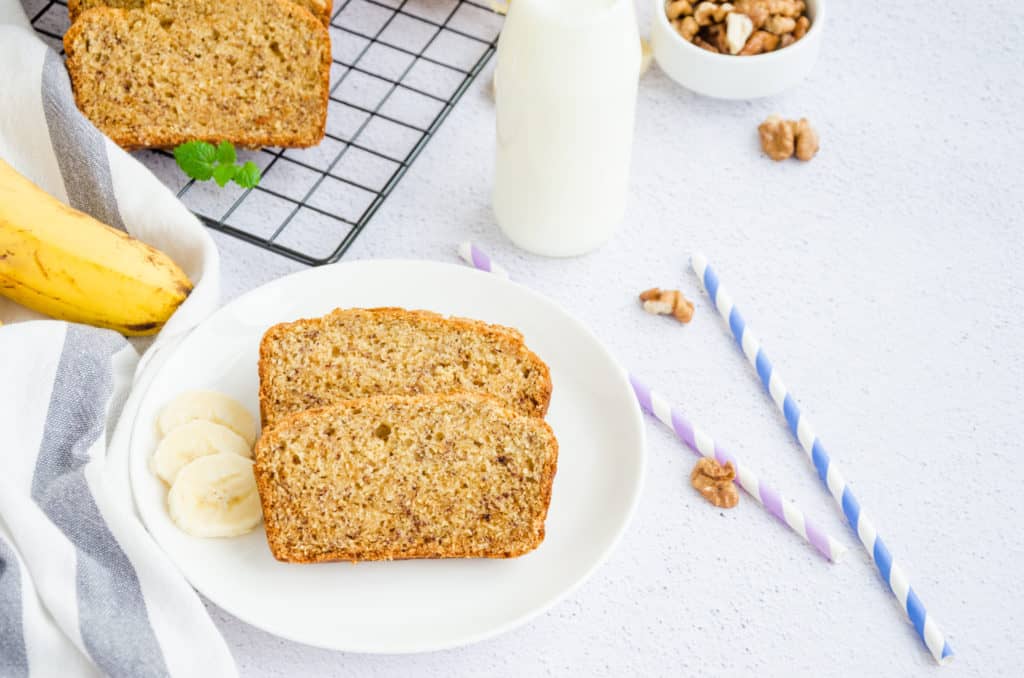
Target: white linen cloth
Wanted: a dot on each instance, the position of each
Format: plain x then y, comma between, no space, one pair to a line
84,590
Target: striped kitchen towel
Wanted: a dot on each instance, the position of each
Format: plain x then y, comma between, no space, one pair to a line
84,590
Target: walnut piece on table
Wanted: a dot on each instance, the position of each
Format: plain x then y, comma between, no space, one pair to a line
807,142
780,138
667,302
714,482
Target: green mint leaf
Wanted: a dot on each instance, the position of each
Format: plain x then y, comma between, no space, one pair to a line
222,174
226,153
196,159
248,175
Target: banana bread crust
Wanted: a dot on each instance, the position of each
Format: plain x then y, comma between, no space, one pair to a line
321,9
309,523
141,91
532,397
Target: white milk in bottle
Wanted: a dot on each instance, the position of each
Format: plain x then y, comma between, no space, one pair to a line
566,93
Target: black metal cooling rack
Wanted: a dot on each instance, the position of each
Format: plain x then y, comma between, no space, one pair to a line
399,66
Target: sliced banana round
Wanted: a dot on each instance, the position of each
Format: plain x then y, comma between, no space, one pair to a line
209,406
215,496
190,441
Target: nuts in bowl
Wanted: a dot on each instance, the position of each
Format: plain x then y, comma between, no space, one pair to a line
743,27
695,43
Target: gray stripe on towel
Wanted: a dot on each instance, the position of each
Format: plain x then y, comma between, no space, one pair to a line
13,658
112,613
79,147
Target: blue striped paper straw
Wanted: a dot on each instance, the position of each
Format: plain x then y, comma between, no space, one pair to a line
700,442
828,471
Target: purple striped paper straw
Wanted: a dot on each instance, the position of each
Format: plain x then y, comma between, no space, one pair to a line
654,404
477,258
700,442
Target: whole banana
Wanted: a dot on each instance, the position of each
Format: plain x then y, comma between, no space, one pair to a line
62,262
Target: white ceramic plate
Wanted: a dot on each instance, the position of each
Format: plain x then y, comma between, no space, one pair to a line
416,605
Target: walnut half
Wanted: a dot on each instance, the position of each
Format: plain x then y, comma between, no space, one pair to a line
667,302
714,482
780,138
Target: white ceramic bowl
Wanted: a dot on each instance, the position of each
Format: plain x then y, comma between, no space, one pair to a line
725,76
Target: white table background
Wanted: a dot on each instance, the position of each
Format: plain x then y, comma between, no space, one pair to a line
885,280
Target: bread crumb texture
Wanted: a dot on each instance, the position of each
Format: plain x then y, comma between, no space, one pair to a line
456,476
358,353
252,72
321,9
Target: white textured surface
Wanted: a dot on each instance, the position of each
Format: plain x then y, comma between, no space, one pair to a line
884,279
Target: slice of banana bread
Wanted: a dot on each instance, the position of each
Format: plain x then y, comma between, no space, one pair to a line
321,9
252,72
454,476
357,353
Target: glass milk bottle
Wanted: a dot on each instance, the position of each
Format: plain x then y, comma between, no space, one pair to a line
566,93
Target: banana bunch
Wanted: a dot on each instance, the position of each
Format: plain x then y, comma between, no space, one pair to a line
62,262
204,457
